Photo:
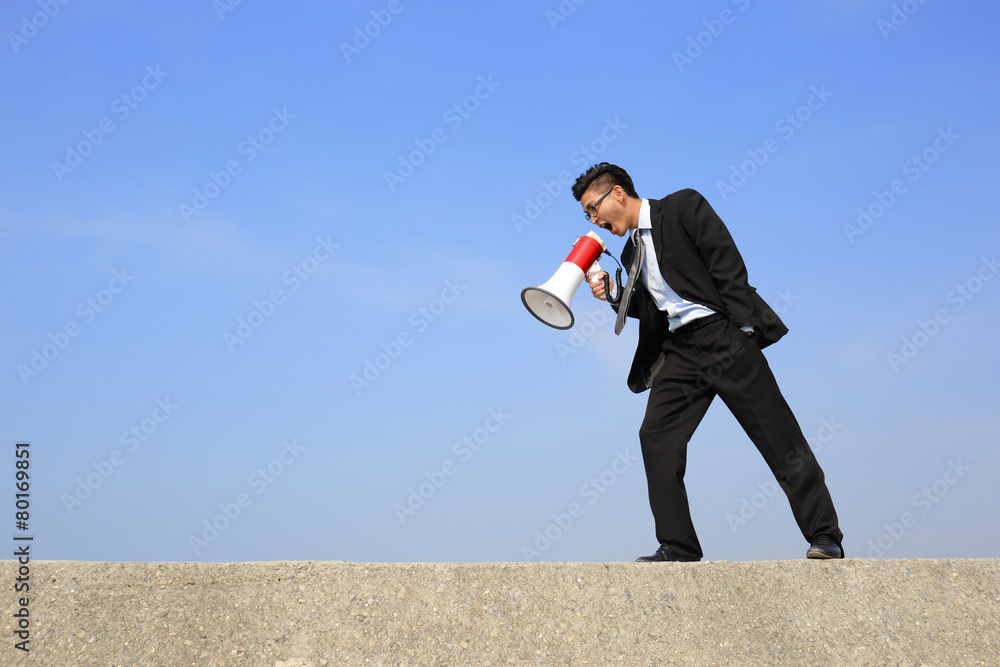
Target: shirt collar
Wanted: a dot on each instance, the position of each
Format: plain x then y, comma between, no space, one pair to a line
645,221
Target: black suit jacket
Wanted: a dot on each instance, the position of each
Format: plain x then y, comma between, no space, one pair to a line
700,262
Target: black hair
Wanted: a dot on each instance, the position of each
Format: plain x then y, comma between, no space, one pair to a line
605,175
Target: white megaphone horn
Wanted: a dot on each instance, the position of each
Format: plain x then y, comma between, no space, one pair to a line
550,301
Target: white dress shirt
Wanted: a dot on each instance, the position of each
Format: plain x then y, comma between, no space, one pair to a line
679,311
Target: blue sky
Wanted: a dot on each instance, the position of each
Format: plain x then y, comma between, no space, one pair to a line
263,266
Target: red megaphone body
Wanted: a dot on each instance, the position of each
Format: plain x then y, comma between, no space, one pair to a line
550,301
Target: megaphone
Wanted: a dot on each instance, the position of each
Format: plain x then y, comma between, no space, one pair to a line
550,301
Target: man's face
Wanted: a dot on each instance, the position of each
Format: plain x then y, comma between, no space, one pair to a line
605,208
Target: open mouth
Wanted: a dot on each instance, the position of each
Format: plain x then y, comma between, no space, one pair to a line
607,226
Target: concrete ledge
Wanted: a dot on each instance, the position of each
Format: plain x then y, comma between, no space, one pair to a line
291,614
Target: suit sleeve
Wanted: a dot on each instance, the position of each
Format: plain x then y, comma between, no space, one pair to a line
718,251
633,307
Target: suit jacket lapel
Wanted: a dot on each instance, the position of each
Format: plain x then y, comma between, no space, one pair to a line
628,252
659,243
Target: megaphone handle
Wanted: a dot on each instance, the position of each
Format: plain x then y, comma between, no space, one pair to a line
594,269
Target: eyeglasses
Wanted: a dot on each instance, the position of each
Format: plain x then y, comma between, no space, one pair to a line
592,209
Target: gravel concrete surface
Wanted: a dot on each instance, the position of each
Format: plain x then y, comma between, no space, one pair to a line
306,613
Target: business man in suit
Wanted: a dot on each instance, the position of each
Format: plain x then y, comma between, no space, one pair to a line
701,330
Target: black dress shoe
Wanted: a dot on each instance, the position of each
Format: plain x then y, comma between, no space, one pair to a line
824,547
664,555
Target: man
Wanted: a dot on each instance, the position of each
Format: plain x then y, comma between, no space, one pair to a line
701,330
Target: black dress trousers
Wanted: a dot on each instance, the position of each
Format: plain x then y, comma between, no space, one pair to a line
714,357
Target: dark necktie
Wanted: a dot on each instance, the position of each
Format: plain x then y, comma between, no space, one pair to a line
633,273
